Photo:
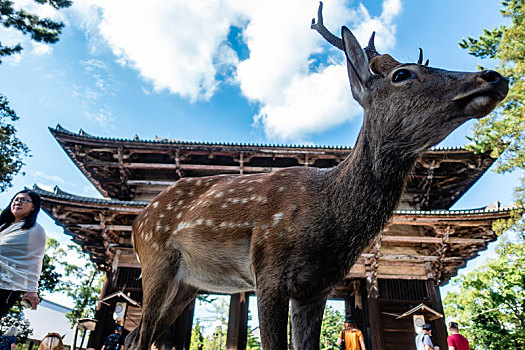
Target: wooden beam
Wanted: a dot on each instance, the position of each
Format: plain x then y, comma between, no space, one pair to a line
127,228
437,240
151,182
458,219
168,166
241,163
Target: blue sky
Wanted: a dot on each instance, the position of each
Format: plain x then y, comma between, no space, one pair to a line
219,70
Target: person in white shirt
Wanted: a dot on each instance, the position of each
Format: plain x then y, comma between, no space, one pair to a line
423,340
22,245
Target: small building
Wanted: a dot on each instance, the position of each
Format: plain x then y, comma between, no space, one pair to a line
422,248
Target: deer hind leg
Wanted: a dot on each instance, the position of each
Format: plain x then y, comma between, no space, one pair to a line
306,319
165,297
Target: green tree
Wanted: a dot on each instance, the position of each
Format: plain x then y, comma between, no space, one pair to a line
503,132
220,316
50,277
490,301
81,281
252,341
197,337
12,149
39,29
14,318
330,328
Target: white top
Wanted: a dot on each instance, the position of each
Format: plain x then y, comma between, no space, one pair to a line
21,254
423,339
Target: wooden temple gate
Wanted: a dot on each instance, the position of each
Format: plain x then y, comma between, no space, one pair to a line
424,245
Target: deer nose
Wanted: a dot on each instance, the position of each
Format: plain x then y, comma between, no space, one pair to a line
492,77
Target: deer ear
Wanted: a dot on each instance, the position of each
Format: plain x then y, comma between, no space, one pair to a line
383,65
357,64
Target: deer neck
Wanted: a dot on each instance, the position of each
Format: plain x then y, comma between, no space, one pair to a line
366,188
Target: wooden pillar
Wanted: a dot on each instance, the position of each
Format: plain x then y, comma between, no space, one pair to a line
439,328
238,322
374,308
376,330
104,316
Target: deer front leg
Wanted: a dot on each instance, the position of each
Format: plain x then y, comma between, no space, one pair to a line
272,303
306,319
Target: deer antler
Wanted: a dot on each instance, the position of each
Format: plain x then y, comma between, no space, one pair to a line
370,50
325,33
420,59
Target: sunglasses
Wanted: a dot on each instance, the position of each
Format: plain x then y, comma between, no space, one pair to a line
22,200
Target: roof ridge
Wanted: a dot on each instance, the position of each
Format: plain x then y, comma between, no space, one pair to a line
59,193
163,140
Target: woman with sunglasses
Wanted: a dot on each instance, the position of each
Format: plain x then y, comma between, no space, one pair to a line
22,244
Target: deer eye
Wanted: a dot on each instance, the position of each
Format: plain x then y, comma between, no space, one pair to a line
401,75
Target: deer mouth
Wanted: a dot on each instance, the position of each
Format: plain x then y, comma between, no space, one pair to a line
471,95
481,102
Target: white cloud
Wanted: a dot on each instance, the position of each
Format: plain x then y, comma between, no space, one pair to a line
102,116
311,103
182,46
45,187
176,45
41,49
296,102
54,179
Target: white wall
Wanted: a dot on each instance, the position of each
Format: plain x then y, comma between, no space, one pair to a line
50,317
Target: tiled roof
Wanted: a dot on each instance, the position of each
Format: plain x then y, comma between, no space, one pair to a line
60,194
60,130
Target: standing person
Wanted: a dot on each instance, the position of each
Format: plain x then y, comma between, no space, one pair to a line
456,341
114,341
353,337
423,341
22,245
8,339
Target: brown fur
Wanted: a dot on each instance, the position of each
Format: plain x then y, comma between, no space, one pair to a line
291,235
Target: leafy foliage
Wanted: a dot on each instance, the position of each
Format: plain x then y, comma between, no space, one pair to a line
80,280
15,318
197,337
490,303
219,309
50,277
12,150
503,133
39,29
330,328
253,342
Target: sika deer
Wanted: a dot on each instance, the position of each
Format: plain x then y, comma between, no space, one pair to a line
291,235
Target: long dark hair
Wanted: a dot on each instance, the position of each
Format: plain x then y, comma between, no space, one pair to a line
7,217
350,325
